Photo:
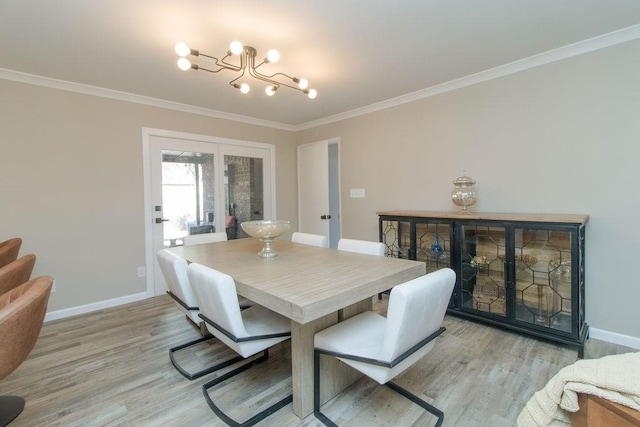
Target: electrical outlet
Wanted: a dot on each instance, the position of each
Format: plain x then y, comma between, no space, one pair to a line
53,286
142,272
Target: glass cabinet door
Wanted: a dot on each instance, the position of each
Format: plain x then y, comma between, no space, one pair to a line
483,280
433,245
396,235
543,278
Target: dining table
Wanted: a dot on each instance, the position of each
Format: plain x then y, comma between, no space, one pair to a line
314,287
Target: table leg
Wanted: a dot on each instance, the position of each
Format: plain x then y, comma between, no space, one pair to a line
336,376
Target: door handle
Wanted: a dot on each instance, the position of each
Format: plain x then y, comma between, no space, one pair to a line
161,220
325,216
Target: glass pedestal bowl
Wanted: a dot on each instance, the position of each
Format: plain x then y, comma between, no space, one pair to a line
267,231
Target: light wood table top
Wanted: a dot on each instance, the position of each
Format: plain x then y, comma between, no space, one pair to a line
303,282
308,285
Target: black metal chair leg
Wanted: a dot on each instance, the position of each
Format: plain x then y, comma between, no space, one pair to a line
193,376
256,418
415,399
10,408
326,421
316,392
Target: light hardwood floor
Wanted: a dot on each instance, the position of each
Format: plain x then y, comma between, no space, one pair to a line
112,368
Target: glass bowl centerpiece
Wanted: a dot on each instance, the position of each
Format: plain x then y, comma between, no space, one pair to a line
267,231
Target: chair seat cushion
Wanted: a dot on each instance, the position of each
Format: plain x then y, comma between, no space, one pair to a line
258,321
362,336
262,321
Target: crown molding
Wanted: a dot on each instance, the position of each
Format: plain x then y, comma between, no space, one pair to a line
33,79
575,49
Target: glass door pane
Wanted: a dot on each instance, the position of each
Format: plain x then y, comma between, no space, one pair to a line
188,187
188,195
433,245
483,276
543,278
396,237
244,192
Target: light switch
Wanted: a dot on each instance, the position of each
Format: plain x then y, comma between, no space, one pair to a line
357,193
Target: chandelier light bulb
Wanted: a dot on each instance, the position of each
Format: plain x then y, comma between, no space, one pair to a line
182,49
270,90
244,88
273,56
312,93
303,84
236,48
184,64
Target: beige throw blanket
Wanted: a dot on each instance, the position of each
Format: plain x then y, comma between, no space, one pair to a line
615,378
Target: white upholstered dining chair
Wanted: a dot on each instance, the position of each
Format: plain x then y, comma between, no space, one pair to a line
200,239
361,246
174,269
310,239
247,332
382,348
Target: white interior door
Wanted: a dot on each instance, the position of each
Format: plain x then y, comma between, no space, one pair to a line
196,184
318,188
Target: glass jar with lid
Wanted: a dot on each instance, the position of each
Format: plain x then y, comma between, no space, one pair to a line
464,194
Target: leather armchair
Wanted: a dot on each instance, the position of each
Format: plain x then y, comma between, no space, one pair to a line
9,250
22,312
16,273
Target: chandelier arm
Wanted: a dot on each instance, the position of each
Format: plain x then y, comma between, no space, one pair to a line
293,79
274,82
269,79
212,71
237,78
220,63
272,75
207,56
228,65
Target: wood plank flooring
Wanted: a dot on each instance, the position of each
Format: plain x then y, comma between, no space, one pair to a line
112,368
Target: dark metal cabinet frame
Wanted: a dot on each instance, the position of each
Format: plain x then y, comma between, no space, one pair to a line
405,234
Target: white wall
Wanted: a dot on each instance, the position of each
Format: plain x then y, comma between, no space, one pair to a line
71,184
559,138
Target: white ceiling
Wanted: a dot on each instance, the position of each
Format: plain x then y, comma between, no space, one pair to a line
356,53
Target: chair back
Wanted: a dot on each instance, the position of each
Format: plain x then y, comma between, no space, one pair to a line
217,299
9,250
174,269
22,312
310,239
16,273
416,310
361,246
200,239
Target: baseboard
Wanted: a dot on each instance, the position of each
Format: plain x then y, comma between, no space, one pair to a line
614,338
95,306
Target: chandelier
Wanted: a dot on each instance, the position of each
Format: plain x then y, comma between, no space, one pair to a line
247,66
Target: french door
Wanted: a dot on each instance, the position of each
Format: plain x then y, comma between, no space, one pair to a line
198,185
